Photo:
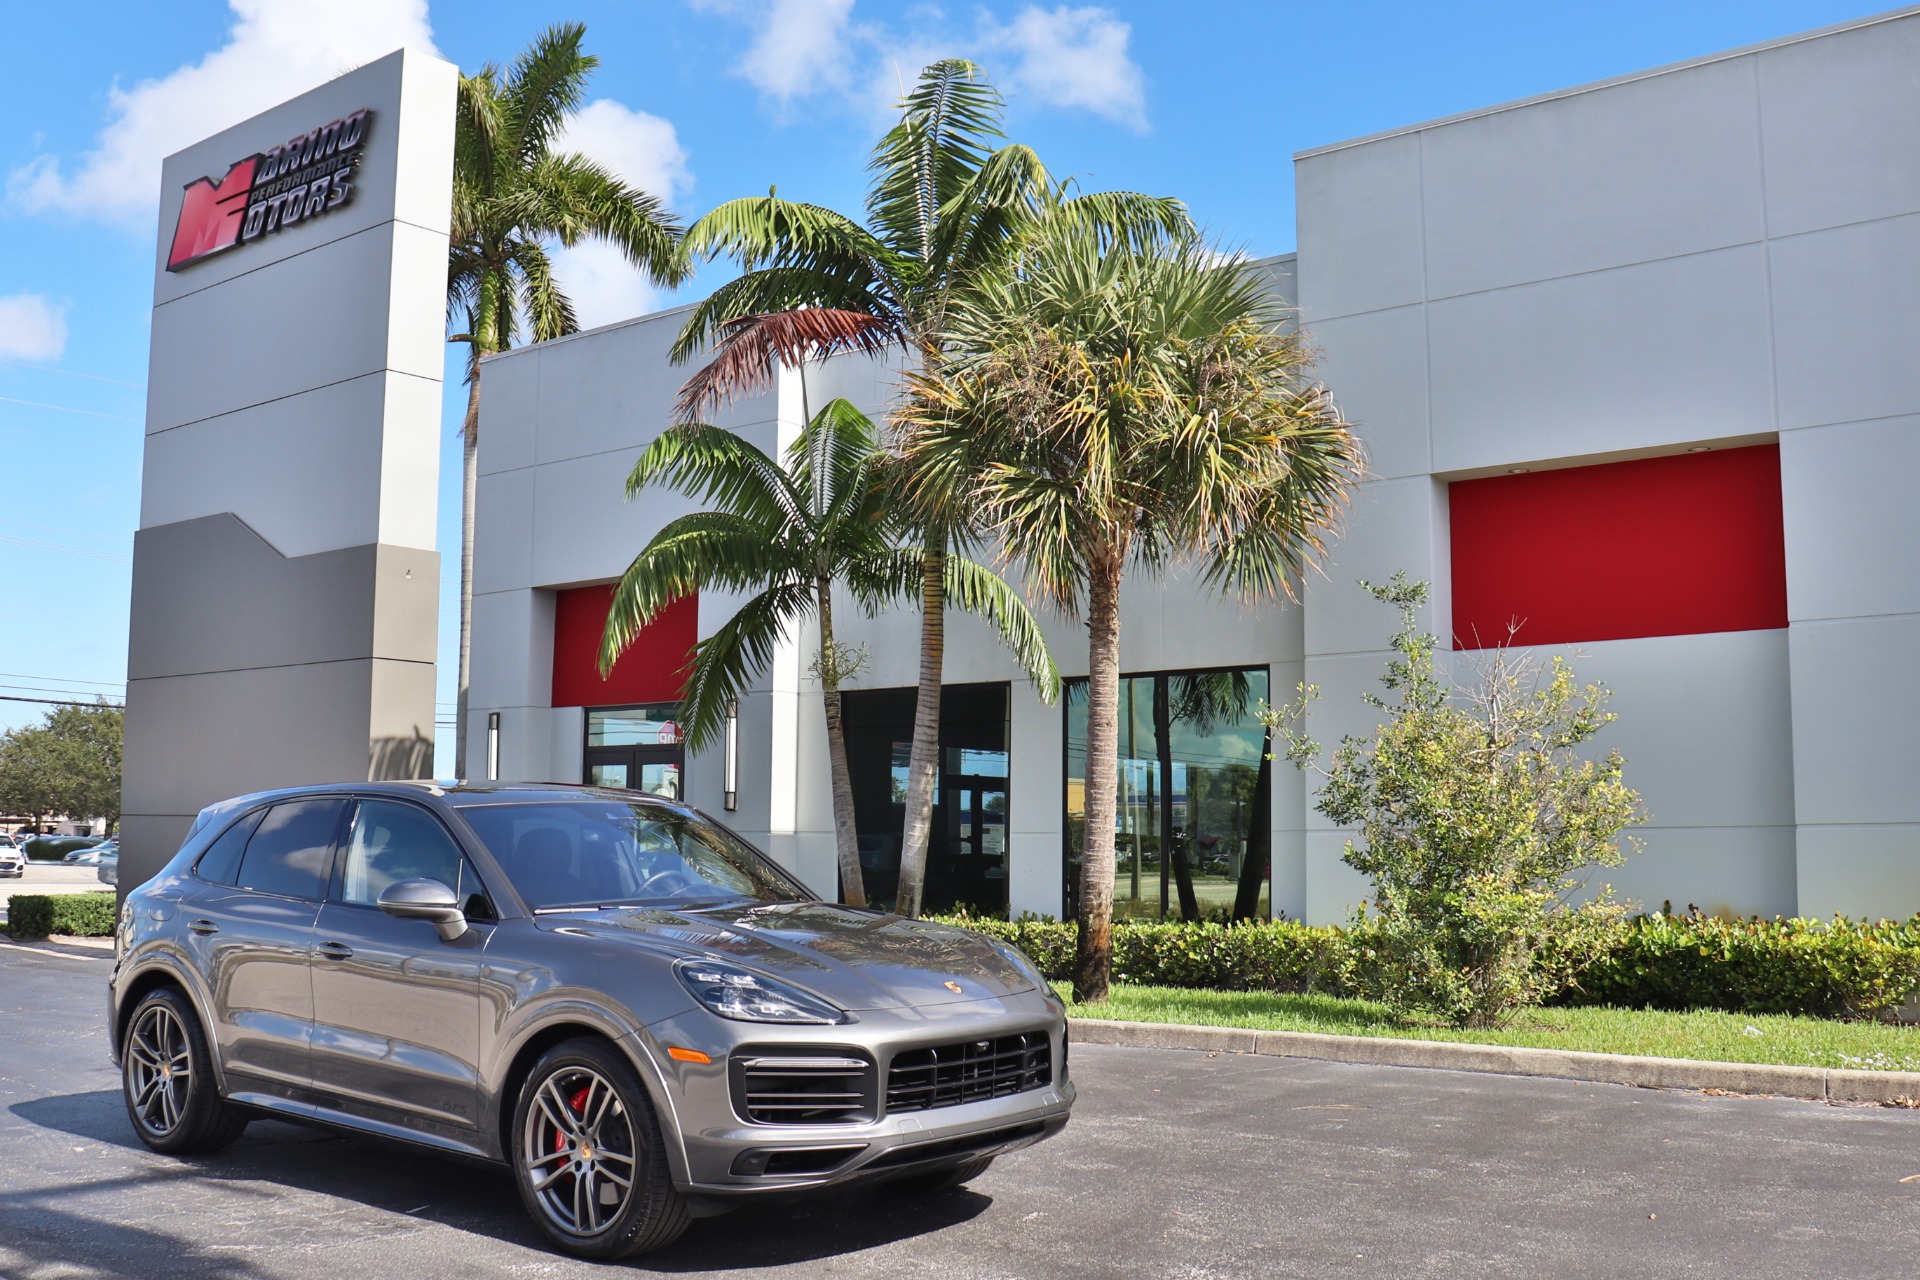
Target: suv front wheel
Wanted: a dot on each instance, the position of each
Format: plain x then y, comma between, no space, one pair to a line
588,1155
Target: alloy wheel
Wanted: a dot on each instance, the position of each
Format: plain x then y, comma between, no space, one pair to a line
159,1070
578,1146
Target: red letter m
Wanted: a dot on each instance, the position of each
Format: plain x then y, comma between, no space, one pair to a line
210,215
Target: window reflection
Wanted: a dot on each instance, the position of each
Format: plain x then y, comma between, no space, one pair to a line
1193,819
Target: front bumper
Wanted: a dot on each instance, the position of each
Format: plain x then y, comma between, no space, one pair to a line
727,1156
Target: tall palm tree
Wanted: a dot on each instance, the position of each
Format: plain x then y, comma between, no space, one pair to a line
948,200
1113,404
788,535
513,194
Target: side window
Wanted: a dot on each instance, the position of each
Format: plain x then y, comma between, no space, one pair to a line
291,851
393,842
221,862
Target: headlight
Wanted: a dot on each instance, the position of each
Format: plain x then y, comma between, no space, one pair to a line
1018,959
746,996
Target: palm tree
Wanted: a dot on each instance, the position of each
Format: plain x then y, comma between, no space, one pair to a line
1111,404
946,203
787,535
513,194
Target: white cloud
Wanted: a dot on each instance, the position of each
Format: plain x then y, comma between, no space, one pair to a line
644,151
1070,57
31,328
1074,58
275,49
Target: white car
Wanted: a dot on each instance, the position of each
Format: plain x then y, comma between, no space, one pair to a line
12,861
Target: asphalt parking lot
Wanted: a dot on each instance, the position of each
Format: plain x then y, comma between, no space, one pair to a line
1176,1165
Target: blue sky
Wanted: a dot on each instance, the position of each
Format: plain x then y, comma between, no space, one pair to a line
702,100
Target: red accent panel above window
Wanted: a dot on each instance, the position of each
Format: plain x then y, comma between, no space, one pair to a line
1655,547
653,669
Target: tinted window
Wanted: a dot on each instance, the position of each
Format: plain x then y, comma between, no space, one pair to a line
393,842
221,862
292,849
596,852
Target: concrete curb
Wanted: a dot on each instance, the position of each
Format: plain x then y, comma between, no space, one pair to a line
1821,1084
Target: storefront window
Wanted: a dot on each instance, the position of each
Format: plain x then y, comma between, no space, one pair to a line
1192,826
633,726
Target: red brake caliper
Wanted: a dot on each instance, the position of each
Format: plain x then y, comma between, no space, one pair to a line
578,1104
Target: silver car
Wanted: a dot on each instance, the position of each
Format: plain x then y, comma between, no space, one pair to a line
610,993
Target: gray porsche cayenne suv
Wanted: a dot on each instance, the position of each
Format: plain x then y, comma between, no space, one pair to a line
613,995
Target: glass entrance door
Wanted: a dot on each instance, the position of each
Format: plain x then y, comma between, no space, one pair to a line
971,862
635,748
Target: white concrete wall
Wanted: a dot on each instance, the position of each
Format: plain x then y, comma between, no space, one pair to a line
1724,251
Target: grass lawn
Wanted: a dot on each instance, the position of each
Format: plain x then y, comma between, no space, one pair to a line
1709,1036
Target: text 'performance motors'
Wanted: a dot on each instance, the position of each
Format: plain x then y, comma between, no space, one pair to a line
300,179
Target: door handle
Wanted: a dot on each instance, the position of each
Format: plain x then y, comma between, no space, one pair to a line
336,951
204,927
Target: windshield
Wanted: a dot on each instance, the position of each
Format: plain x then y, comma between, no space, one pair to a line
598,852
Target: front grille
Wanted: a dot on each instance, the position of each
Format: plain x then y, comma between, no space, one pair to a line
803,1089
974,1070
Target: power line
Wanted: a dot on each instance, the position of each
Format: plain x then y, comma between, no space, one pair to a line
67,408
24,675
84,533
58,702
61,548
73,373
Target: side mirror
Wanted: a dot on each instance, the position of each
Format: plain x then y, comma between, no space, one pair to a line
425,900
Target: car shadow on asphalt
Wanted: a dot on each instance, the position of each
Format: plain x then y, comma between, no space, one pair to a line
461,1196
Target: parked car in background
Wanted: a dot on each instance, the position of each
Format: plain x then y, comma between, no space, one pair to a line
109,865
606,992
12,861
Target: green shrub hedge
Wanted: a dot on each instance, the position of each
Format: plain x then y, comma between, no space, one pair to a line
79,915
54,848
1826,969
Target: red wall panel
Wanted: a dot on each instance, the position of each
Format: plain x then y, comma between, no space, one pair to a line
653,668
1655,547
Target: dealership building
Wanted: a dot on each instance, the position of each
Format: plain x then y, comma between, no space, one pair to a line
1633,364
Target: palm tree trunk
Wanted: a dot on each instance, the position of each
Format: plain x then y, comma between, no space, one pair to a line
923,764
1093,949
469,488
846,839
1256,864
1173,854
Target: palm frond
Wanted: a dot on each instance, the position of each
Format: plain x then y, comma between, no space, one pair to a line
722,471
548,84
548,310
975,588
741,649
948,124
752,346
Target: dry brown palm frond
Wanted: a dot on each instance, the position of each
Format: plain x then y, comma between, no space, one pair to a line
744,358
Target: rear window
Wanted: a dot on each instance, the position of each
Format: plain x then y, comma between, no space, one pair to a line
291,851
221,862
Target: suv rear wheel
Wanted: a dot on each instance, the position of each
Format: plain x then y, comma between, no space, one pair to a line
166,1073
588,1155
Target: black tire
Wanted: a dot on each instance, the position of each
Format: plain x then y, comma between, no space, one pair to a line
165,1042
945,1179
570,1143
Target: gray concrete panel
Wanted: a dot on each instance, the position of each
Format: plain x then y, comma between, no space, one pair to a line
1847,322
1662,166
1842,127
1856,724
1661,353
1376,365
1358,212
331,304
211,595
1852,524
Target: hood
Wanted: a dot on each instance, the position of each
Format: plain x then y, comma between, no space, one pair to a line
856,959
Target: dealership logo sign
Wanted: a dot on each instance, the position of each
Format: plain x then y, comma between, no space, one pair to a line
308,177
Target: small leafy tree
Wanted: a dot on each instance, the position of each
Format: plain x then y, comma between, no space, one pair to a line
1477,811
